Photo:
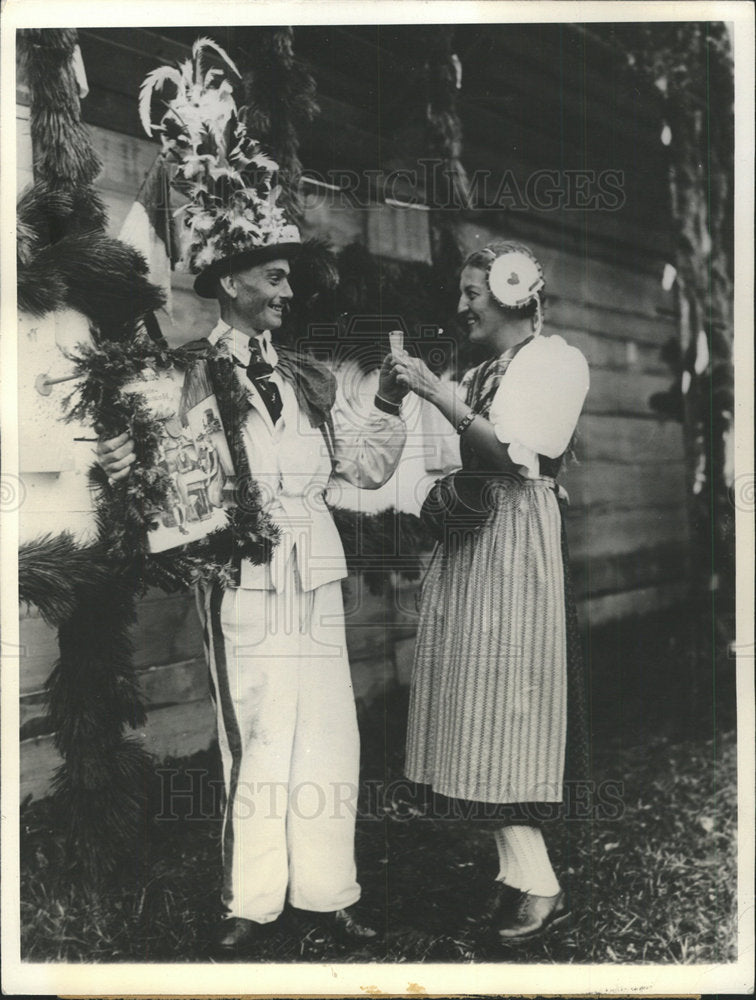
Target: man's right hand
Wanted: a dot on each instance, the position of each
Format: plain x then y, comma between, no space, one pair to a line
116,456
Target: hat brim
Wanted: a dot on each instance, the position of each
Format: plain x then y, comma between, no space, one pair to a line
205,283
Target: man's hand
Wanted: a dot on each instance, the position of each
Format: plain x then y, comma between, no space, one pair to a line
116,455
389,388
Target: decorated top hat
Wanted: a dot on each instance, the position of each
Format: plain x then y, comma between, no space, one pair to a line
232,217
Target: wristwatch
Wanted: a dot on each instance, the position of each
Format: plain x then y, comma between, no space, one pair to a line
387,406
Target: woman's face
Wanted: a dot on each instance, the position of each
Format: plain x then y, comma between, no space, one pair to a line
478,312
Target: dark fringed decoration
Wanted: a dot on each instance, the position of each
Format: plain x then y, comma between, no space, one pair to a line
39,288
64,257
104,801
63,153
52,571
107,281
93,694
279,98
101,277
452,188
47,214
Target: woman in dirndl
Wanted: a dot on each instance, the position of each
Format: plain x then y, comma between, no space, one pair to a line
497,678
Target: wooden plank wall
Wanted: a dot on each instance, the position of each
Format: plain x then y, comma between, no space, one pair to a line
627,524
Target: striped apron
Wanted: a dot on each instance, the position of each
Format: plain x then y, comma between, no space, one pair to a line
488,703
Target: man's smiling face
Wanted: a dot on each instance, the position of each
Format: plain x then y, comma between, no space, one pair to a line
262,294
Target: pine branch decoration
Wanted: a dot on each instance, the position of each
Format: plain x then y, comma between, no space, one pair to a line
443,121
63,153
52,572
280,98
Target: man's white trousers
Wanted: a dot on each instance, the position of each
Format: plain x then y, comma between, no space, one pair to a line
287,730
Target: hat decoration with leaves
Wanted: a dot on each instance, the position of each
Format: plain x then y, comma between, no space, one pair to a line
232,215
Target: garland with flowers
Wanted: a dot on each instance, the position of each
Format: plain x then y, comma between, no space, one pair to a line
128,506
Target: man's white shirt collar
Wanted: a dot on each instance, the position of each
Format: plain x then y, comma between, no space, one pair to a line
238,343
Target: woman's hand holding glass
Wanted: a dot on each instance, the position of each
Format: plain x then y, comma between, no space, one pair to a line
413,375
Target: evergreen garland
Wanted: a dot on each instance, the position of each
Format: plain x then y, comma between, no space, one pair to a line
251,527
443,122
127,507
450,189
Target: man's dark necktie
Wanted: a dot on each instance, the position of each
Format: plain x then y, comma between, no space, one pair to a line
259,372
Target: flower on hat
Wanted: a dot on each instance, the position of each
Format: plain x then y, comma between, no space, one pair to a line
227,178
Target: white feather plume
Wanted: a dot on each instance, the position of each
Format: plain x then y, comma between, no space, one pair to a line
152,82
208,43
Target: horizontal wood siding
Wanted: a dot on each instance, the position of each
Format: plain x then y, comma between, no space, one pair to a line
626,523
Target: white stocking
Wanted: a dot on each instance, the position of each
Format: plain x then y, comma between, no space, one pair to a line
524,862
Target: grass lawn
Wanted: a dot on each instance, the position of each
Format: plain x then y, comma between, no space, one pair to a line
656,886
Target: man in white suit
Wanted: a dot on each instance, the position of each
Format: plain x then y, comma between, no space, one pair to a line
275,644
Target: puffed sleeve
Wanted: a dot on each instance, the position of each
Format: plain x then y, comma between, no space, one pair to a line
368,442
537,405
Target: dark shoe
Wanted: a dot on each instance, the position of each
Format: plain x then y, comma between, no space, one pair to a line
347,927
498,906
235,934
532,916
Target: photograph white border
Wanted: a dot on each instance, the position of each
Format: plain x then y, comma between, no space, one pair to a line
330,979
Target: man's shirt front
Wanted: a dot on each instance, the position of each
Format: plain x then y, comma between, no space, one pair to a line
291,464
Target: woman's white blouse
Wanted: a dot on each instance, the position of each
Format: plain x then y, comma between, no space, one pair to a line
537,405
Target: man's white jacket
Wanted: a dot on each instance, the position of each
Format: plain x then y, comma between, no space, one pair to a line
292,467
